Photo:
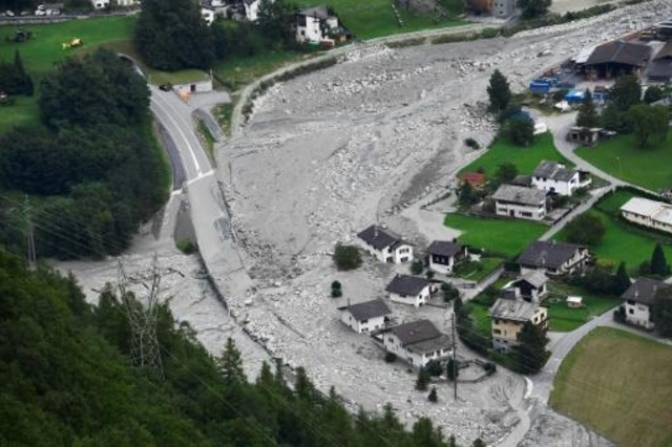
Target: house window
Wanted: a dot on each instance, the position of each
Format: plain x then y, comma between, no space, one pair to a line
364,321
497,331
404,250
631,311
390,339
526,214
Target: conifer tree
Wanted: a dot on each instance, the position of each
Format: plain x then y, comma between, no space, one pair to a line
659,264
621,280
499,92
231,363
587,116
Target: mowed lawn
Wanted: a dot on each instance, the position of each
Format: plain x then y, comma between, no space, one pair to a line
562,318
508,237
619,384
621,242
375,18
526,159
46,48
620,157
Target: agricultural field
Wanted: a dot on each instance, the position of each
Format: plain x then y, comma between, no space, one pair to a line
526,159
620,385
623,242
507,237
620,157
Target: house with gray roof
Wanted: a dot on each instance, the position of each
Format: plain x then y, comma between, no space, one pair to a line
638,300
443,256
648,213
412,290
530,287
553,258
385,245
508,318
520,202
364,317
556,178
418,342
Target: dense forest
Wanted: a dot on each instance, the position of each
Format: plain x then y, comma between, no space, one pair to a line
66,378
171,34
93,171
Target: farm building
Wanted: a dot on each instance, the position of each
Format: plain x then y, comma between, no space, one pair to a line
617,58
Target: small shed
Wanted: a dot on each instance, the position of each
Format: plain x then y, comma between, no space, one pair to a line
583,135
574,301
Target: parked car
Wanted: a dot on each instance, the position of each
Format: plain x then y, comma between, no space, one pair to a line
165,87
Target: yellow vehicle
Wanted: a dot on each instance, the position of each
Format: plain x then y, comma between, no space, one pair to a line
74,43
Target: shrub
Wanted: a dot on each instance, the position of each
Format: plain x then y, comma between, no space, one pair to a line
490,367
347,257
470,142
336,291
449,292
619,315
390,357
423,380
434,368
433,397
187,246
416,267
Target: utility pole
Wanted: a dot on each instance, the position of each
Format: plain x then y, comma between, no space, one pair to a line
31,255
142,318
454,355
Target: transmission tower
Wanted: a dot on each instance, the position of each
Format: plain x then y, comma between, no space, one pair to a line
142,317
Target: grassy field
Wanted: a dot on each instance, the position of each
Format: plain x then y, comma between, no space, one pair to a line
375,18
235,73
479,314
508,237
40,53
468,271
620,157
564,319
526,159
621,242
620,385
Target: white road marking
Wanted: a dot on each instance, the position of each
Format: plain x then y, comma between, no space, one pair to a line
186,141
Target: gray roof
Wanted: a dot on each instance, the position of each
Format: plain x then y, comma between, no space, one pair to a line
368,309
620,52
319,12
378,237
416,332
520,194
550,254
516,310
536,279
407,285
554,171
522,180
643,290
434,344
661,69
444,248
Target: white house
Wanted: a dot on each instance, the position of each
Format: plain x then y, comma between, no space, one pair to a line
208,15
556,178
411,290
553,258
384,245
313,24
365,317
530,287
520,202
251,9
444,255
417,342
503,8
649,213
638,300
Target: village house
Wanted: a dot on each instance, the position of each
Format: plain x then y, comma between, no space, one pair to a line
384,245
411,290
553,258
530,287
638,299
648,213
314,24
520,202
365,317
555,178
508,318
417,342
584,136
443,256
475,179
101,4
208,15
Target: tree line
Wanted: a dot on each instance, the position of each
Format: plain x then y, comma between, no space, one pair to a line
67,378
171,34
94,170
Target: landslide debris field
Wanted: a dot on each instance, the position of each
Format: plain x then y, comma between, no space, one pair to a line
329,153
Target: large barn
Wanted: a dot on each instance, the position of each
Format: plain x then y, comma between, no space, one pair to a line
617,58
660,68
